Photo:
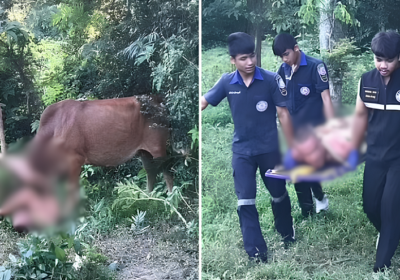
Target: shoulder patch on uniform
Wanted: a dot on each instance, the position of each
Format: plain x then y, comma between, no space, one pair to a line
281,85
322,72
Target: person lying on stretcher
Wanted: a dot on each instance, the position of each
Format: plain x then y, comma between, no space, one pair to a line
317,147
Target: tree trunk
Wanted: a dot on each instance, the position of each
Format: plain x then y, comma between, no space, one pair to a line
255,28
258,44
331,31
325,26
2,136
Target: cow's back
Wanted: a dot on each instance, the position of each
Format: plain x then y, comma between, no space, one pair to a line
103,132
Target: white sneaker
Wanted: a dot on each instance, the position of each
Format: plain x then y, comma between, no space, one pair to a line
377,240
322,204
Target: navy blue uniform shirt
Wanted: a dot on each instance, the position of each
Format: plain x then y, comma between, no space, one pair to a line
383,103
253,109
305,87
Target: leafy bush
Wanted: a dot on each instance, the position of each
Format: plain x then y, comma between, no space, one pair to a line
129,194
43,257
360,64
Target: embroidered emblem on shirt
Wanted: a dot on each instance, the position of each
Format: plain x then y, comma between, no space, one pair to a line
234,92
305,91
281,85
398,96
262,106
322,72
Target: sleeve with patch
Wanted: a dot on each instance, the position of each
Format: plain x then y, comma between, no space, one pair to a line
217,93
281,73
279,91
322,78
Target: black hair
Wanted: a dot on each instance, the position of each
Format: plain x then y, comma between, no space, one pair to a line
282,42
240,43
386,44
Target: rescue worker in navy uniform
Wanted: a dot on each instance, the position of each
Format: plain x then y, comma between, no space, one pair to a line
309,104
378,114
255,96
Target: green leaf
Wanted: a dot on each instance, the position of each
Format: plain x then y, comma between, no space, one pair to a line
11,34
70,242
140,59
42,267
52,247
77,246
60,254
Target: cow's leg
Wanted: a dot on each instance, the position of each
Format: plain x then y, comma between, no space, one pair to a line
72,192
168,179
151,168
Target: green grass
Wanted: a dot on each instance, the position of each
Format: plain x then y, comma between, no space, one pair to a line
338,244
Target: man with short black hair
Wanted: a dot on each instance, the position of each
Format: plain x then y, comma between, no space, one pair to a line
255,96
309,104
378,114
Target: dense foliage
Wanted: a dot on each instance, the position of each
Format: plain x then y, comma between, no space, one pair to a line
51,50
54,50
364,18
338,32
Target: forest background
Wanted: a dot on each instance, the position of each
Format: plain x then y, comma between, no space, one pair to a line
339,243
51,50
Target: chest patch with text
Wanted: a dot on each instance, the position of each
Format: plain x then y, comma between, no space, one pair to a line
370,93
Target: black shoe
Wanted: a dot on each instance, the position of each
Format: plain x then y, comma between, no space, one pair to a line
380,269
288,241
307,212
260,258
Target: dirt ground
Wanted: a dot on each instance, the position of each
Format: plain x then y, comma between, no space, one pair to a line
160,253
8,240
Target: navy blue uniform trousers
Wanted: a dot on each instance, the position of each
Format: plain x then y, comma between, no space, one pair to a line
381,198
304,195
244,173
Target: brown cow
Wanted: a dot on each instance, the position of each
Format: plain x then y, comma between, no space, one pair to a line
74,133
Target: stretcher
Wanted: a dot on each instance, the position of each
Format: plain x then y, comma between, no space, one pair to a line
306,173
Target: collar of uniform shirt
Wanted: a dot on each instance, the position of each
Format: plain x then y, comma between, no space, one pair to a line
303,61
237,79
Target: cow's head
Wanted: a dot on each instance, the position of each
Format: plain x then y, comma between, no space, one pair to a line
33,187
